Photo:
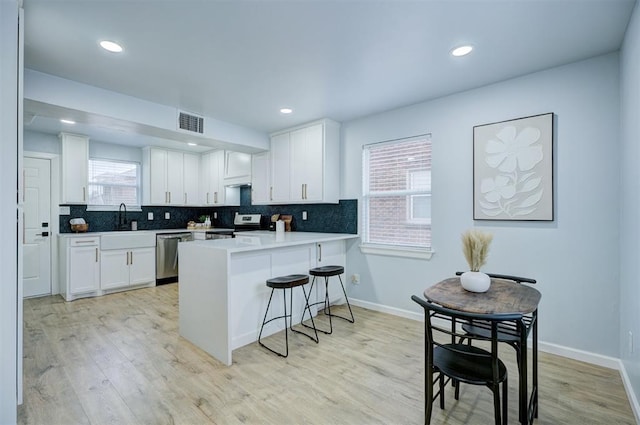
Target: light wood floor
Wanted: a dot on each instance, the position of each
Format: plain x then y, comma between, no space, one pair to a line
119,360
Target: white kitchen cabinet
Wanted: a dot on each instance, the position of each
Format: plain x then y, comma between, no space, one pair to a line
75,168
213,189
169,177
305,164
79,266
237,168
280,168
126,267
175,178
191,179
261,179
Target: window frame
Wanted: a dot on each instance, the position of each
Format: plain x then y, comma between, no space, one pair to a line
114,207
400,250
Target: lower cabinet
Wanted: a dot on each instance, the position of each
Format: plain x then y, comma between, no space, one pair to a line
127,267
79,267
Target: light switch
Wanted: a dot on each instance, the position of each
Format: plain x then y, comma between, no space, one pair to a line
167,216
149,216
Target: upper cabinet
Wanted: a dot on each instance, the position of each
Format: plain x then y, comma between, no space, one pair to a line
261,178
214,186
75,168
237,168
169,177
305,164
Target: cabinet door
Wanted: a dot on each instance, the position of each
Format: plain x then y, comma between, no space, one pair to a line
260,178
191,178
175,177
114,269
217,177
142,265
158,176
75,168
307,152
280,166
84,269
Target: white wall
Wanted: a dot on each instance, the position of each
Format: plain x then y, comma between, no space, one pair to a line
574,258
630,201
8,208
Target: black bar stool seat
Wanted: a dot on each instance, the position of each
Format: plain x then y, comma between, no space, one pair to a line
288,282
326,272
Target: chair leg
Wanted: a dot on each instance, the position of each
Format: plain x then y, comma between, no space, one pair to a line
441,384
505,402
352,319
496,403
265,321
306,308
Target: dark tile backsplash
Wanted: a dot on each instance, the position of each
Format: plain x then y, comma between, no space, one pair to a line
330,218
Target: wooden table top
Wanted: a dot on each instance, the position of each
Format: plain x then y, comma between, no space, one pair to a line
503,296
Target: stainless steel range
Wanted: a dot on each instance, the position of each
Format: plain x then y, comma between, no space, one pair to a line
246,222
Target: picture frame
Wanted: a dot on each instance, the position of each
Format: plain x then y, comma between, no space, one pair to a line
513,169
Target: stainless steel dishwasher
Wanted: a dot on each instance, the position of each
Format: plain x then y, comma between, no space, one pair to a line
167,256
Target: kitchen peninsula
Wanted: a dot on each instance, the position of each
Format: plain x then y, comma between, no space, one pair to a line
222,291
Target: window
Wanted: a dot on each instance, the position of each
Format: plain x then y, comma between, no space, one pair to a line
397,197
113,182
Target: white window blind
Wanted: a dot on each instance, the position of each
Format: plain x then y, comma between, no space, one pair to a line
113,182
397,193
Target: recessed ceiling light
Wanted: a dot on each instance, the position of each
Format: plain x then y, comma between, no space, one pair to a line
462,50
192,144
286,110
111,46
67,121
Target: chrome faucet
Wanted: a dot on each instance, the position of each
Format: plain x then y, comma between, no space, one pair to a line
122,221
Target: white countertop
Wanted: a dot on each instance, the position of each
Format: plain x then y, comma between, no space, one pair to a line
156,231
257,240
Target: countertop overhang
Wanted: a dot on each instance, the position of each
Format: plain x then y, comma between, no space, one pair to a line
257,240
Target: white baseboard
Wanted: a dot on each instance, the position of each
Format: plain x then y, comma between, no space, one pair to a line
571,353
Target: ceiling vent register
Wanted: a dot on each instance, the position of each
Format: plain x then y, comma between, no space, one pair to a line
189,122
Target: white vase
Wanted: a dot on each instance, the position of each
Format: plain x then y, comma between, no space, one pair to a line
475,281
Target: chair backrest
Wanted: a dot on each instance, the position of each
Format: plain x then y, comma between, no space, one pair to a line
441,322
516,279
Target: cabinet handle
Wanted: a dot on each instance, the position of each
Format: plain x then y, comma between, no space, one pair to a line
131,256
185,197
302,191
215,197
305,191
319,253
271,193
84,194
91,242
169,196
96,255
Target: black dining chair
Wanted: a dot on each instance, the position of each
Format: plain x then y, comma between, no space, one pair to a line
508,333
459,362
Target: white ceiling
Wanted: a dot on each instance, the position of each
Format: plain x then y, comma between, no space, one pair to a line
241,61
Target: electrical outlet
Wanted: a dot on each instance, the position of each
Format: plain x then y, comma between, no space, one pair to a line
630,342
215,214
149,216
355,278
167,215
304,215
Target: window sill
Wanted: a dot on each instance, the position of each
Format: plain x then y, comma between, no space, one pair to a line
406,252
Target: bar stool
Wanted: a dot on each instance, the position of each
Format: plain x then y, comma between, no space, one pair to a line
327,272
284,283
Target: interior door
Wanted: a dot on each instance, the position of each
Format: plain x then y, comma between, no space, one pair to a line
37,227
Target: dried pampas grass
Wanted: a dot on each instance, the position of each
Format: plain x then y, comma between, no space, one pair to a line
475,246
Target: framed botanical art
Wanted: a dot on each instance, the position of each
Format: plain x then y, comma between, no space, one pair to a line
513,169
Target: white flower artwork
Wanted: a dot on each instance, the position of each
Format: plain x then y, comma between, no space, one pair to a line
513,169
